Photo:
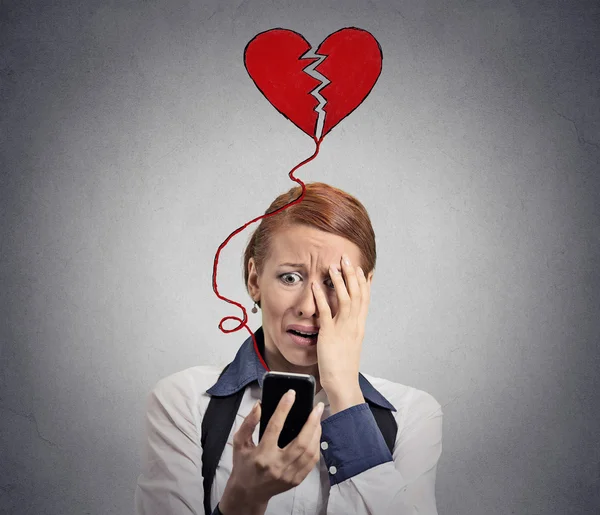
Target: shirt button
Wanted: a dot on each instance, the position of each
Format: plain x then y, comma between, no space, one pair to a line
324,446
332,470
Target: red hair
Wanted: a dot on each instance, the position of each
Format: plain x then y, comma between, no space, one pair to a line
323,207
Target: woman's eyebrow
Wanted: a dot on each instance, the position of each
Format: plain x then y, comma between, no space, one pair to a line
325,271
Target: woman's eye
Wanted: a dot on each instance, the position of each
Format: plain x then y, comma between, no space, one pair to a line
283,276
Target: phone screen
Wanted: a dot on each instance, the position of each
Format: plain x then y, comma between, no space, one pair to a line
275,386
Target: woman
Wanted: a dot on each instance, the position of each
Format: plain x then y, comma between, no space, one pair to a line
339,464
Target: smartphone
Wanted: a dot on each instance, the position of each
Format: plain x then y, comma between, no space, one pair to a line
275,386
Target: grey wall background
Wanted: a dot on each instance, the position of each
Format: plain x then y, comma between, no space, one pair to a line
133,142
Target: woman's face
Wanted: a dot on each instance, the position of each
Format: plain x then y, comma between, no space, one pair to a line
286,296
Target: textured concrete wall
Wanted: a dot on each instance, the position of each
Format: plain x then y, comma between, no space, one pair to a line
133,143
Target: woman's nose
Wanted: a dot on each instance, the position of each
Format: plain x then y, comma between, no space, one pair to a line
306,302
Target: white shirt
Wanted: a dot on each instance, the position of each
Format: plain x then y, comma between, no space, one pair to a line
171,482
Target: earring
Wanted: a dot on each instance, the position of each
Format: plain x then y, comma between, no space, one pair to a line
254,310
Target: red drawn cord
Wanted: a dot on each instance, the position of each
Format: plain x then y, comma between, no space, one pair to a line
242,323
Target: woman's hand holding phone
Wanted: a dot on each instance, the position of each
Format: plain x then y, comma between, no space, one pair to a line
261,471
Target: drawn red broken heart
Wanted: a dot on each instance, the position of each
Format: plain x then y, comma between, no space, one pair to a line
353,62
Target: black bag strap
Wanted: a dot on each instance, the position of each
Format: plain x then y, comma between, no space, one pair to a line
218,421
216,426
387,424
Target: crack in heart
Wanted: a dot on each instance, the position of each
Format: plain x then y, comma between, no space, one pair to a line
311,70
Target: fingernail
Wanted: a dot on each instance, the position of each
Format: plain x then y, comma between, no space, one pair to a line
291,394
346,259
320,408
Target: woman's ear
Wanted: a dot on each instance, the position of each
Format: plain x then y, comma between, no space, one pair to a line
253,287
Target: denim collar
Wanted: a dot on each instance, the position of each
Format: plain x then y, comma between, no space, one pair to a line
247,368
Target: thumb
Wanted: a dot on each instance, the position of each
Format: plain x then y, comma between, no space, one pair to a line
253,418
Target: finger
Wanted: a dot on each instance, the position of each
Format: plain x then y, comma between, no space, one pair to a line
352,286
365,294
275,425
311,424
340,290
322,304
298,450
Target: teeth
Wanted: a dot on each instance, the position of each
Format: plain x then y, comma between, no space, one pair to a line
304,334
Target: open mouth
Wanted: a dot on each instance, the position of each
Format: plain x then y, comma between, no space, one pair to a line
303,338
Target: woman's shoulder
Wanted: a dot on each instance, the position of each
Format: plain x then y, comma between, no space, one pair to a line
196,379
184,390
408,400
